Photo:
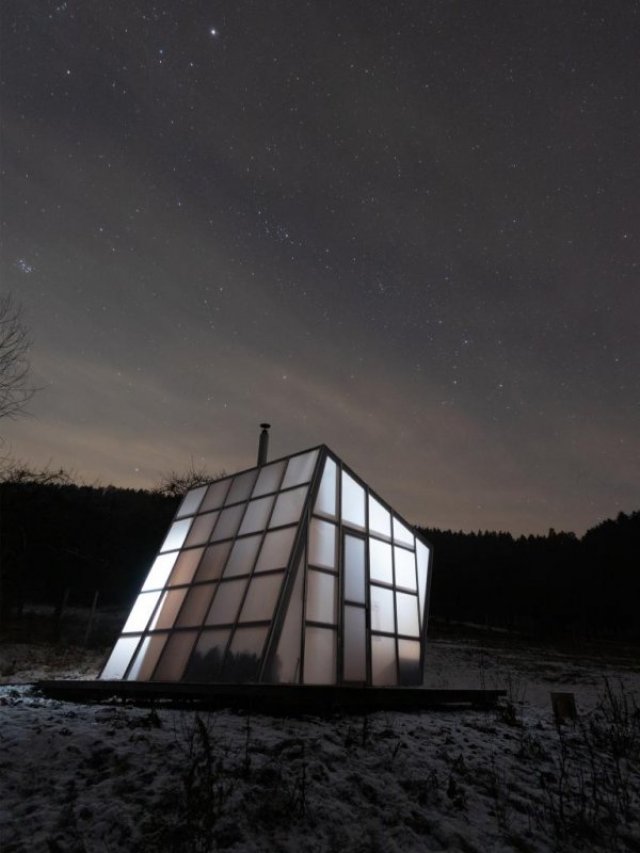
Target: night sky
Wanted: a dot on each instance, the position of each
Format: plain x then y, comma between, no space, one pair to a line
408,230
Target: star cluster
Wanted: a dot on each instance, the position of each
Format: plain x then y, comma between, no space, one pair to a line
407,230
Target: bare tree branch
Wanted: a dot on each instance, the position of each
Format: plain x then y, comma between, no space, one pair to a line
15,388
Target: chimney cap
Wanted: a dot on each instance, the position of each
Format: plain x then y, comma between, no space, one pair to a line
265,426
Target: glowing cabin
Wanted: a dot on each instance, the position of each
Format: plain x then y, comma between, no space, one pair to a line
292,572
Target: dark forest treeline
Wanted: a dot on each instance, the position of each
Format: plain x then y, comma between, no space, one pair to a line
542,585
58,537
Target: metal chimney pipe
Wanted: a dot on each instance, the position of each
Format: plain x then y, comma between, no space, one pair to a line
263,446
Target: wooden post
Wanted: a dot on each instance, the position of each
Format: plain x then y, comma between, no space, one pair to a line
94,604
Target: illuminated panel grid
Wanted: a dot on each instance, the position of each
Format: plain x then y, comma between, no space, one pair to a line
366,584
208,603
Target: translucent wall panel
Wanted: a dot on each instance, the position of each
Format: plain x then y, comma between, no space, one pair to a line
322,544
159,572
422,559
401,533
382,611
206,659
409,662
262,596
380,565
354,587
269,478
195,605
191,502
287,662
326,500
175,655
352,501
226,602
228,523
354,662
320,651
276,549
379,518
300,469
119,659
288,508
167,610
405,565
243,556
383,661
147,657
176,535
201,529
407,614
321,597
242,661
213,561
141,612
185,566
216,493
256,516
241,487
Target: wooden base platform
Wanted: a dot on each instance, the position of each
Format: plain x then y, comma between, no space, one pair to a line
277,699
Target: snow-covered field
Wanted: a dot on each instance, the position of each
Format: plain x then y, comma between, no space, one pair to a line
119,778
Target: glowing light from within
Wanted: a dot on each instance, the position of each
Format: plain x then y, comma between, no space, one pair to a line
213,32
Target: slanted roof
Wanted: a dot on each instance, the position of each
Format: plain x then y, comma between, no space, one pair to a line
294,572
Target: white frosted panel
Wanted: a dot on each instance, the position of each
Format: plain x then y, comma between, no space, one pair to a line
205,663
286,666
241,487
242,556
185,566
320,655
409,662
175,655
422,557
191,502
226,603
354,569
405,565
176,535
321,597
228,523
383,661
262,597
276,549
354,662
216,493
256,516
382,615
300,469
269,479
407,614
167,610
201,529
242,662
147,657
288,508
140,612
119,658
213,561
322,544
379,518
380,565
401,533
195,605
159,572
326,500
352,501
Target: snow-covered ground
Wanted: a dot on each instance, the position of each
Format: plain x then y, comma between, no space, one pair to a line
120,778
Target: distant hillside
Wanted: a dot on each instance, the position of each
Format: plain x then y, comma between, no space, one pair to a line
56,537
